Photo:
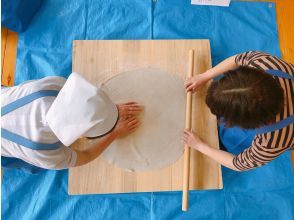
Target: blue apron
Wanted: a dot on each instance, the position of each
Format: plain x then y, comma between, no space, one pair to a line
236,139
9,162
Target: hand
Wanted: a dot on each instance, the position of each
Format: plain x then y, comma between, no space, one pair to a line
129,109
126,126
193,84
192,139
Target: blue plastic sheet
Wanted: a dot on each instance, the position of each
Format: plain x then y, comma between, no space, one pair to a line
45,49
17,14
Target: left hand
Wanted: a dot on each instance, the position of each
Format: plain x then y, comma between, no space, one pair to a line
129,109
191,139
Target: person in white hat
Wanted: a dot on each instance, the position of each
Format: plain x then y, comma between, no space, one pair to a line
42,118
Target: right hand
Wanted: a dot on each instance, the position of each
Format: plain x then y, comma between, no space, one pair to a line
193,84
126,126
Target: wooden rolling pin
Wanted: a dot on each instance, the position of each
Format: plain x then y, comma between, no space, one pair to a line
187,148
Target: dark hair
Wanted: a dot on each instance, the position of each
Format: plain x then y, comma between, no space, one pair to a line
245,97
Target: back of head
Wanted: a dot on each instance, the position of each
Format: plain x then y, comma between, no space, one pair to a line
245,97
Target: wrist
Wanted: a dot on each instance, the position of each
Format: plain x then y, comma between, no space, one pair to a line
201,147
114,134
209,74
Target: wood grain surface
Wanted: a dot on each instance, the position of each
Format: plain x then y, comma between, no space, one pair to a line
100,60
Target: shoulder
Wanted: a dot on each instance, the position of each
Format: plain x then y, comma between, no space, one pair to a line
264,61
10,94
245,58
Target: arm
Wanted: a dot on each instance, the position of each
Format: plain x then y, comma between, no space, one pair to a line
124,127
222,157
194,83
252,157
249,58
224,66
86,156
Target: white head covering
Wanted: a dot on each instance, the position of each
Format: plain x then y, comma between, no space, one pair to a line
81,109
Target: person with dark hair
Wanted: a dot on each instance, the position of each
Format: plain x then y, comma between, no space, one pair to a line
253,101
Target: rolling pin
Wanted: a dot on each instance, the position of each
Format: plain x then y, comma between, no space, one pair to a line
187,148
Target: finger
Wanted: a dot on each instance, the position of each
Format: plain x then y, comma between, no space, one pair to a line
189,78
132,122
188,84
133,129
186,131
132,110
128,104
190,87
135,126
188,134
185,138
131,103
134,104
185,141
122,119
130,119
134,107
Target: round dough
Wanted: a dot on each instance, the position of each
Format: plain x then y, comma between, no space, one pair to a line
158,141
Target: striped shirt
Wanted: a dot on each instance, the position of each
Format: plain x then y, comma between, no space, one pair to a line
266,147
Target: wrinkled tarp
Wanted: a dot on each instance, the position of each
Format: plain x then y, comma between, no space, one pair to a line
17,14
45,49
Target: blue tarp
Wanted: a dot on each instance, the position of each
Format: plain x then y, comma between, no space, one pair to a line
45,49
17,14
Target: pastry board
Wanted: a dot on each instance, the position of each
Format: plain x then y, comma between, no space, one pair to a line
99,60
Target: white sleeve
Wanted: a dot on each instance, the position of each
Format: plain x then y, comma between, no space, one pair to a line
62,158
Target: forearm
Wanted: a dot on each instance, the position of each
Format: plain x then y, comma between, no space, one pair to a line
222,157
224,66
86,156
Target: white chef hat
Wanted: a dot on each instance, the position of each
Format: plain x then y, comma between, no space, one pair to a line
81,109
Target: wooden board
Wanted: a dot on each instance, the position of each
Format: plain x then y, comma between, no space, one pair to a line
99,60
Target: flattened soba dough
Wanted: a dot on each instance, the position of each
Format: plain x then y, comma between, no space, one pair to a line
158,141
